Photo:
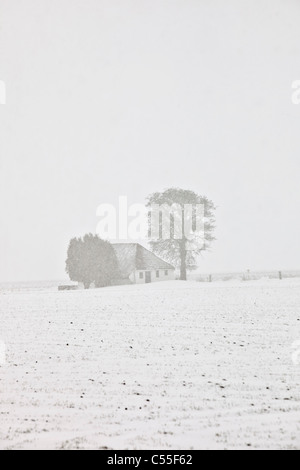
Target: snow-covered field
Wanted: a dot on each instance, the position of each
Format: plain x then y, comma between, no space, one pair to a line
170,365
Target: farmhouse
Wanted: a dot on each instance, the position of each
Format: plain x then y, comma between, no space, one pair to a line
137,265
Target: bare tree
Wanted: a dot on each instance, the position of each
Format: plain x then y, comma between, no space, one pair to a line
182,251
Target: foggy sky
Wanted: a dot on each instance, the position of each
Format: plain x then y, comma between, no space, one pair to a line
127,97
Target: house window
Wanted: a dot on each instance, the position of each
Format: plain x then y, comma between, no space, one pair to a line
166,272
141,275
157,273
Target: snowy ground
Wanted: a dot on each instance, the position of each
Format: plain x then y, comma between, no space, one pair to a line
171,365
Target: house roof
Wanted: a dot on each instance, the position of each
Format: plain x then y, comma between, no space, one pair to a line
133,256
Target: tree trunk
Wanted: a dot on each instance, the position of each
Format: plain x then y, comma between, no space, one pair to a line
182,273
182,261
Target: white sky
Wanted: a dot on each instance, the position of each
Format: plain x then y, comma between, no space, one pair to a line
109,98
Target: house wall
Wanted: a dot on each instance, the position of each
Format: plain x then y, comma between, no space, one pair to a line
135,277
